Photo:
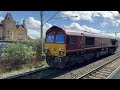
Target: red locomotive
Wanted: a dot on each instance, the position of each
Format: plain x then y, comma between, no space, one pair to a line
65,47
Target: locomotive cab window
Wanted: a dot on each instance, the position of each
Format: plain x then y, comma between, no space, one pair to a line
50,38
89,41
60,38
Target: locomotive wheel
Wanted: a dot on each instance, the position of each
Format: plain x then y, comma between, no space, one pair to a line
97,55
71,62
81,60
111,51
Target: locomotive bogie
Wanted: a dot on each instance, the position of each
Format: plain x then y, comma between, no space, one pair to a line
58,62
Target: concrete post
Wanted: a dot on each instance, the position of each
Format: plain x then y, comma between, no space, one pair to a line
0,54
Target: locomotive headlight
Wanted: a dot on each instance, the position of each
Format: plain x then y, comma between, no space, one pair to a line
46,50
61,52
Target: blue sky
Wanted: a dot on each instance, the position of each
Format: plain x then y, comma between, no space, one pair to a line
106,22
18,15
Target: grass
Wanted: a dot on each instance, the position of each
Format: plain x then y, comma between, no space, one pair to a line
29,66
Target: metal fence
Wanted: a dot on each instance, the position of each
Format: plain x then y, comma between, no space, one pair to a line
3,44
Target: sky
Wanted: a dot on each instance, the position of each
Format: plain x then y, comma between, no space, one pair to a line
105,22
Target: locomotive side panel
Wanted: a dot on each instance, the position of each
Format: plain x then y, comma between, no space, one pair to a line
73,43
98,42
106,42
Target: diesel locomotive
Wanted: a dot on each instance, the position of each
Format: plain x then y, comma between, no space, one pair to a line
66,47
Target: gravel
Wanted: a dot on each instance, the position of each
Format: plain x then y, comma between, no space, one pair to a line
21,71
70,75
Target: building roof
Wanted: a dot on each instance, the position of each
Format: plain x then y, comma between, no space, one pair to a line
18,26
21,26
9,16
80,32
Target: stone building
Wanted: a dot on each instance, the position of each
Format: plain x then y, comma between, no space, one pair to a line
10,31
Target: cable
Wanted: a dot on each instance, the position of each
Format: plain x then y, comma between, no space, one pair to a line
51,17
118,18
115,15
64,17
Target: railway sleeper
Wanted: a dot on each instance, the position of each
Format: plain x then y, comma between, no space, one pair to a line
106,74
92,77
100,76
105,71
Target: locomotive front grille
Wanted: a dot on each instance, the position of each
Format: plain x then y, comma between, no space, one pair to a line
55,48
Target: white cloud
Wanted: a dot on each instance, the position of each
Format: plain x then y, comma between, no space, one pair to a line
32,23
112,16
85,15
111,34
33,27
33,34
46,26
1,18
77,26
118,35
90,29
103,24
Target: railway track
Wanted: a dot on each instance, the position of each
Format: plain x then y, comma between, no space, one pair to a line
47,73
87,69
42,73
103,71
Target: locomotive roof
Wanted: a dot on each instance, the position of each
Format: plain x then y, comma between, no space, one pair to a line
78,33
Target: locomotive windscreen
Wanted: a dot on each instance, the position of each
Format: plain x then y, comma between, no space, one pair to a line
60,38
50,38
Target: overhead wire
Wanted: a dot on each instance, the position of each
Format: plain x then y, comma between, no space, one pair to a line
51,17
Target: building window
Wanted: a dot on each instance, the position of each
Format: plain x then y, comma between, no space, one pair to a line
20,36
9,18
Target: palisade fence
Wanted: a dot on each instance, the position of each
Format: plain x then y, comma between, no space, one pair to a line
3,44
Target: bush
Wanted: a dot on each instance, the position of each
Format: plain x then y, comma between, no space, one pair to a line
36,45
16,54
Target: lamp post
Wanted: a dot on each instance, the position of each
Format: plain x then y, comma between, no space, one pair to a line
0,54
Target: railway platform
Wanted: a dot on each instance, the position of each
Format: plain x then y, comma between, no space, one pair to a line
115,74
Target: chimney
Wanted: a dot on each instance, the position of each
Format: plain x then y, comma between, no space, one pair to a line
24,24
